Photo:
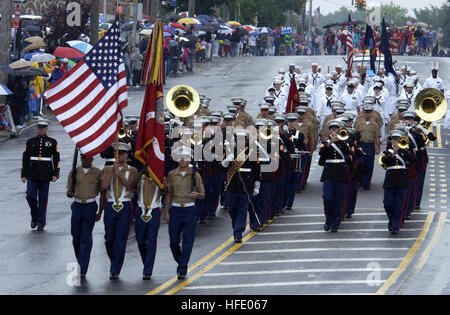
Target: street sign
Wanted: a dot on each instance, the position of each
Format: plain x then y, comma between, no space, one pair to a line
15,22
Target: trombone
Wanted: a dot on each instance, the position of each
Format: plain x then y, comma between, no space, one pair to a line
118,205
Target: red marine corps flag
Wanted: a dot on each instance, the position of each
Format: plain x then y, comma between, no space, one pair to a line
150,139
293,98
88,100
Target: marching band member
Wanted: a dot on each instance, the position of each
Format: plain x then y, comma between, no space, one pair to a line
117,181
183,187
334,157
396,181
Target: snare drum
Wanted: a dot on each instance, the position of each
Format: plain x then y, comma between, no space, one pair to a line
298,161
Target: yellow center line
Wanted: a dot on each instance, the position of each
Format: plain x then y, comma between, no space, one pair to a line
439,138
193,267
437,233
405,262
219,259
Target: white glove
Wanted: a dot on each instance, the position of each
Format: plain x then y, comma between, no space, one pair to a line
285,129
228,160
256,190
423,129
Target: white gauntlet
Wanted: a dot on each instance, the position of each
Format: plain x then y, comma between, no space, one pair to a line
257,186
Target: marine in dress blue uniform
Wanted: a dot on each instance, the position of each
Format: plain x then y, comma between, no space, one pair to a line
335,156
40,166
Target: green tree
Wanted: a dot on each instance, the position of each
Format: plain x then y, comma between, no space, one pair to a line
433,15
396,13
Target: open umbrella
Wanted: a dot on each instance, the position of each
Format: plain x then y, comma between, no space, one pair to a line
34,46
30,55
34,39
188,21
147,32
234,23
104,26
80,45
172,18
68,52
19,64
41,58
250,28
421,24
26,72
4,90
178,25
206,18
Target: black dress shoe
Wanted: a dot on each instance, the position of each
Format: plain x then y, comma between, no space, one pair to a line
82,276
390,227
288,208
334,230
181,276
394,231
238,240
417,207
147,277
33,224
326,226
113,276
348,216
40,228
201,221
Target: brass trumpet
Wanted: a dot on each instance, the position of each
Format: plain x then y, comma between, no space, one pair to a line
183,101
265,132
343,134
380,162
403,143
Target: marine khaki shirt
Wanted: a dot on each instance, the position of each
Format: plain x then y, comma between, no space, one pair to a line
88,185
369,130
132,176
179,186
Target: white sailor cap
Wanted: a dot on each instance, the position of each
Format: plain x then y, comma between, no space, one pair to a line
334,73
409,84
409,115
125,147
328,83
281,71
277,81
314,64
434,68
182,153
338,66
298,67
292,65
42,123
378,85
292,116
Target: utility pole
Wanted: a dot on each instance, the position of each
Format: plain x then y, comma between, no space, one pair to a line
154,10
93,27
105,8
310,20
191,8
5,35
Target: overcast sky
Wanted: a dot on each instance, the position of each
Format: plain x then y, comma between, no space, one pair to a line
327,6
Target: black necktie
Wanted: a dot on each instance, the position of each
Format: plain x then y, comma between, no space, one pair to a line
378,100
314,78
329,102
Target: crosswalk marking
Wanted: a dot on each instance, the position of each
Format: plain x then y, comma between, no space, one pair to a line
340,231
328,249
406,239
344,222
307,260
274,272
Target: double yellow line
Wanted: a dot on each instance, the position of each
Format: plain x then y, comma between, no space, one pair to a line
218,260
410,255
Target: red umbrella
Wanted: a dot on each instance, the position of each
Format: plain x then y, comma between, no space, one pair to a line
178,25
68,52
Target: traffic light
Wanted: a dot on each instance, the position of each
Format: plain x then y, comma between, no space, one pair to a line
364,5
359,4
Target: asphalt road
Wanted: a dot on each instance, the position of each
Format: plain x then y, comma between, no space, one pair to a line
293,255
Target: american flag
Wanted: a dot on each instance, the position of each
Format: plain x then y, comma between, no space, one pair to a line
317,16
349,44
88,100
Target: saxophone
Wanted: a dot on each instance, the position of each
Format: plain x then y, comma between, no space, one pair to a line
237,163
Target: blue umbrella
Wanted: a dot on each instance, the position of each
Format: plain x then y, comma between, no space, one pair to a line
4,90
206,18
29,56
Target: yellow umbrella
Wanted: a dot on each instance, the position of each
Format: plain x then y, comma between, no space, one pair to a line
19,64
233,23
34,39
35,45
146,32
188,21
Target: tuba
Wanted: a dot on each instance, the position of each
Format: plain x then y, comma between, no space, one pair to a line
430,105
183,101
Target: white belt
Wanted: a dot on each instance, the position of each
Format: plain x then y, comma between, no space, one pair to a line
85,200
40,158
123,200
397,167
335,161
248,170
183,205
